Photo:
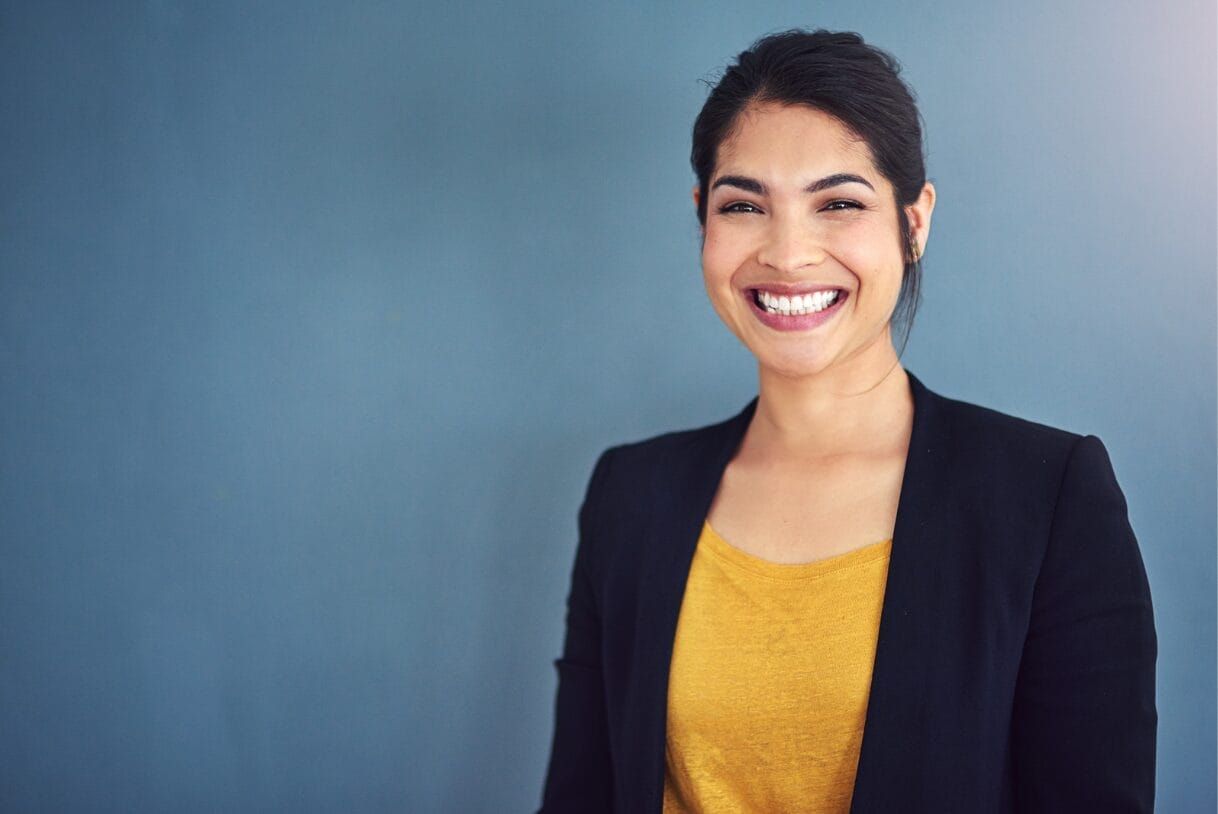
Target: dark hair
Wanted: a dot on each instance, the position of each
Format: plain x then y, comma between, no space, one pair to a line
845,77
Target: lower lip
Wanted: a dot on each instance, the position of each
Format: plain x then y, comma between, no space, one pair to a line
796,322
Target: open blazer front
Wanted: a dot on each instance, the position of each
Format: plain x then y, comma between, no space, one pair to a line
1014,669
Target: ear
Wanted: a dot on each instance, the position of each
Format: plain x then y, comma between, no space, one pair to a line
697,204
918,214
697,196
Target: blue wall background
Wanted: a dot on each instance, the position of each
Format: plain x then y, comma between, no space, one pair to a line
313,318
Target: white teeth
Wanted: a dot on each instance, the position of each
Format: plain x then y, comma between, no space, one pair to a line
797,305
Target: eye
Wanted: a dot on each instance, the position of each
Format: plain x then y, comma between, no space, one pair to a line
737,206
843,203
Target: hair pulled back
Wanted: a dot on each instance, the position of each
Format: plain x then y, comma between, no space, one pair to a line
839,74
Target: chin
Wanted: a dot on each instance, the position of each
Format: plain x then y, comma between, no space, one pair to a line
793,368
807,362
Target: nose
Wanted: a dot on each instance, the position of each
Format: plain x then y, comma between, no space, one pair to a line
790,246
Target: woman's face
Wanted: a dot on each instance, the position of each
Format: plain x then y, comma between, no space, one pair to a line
802,252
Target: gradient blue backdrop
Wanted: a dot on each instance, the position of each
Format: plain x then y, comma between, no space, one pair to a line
313,318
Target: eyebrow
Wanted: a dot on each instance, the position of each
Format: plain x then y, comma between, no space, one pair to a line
754,186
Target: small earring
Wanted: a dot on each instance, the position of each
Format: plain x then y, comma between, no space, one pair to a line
915,251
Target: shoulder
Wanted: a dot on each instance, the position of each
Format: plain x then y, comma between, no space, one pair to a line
979,441
670,445
992,464
988,470
671,453
975,425
665,474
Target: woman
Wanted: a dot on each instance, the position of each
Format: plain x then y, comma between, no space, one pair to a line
856,595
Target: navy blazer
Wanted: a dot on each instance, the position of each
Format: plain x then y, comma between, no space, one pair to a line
1014,669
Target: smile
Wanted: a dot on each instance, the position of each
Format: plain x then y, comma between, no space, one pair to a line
795,305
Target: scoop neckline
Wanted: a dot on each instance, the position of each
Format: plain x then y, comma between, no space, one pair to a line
719,546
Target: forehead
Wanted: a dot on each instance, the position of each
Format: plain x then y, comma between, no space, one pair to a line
792,138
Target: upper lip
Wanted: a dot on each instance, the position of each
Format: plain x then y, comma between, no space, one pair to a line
792,290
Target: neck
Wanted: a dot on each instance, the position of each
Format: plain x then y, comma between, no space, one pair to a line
834,411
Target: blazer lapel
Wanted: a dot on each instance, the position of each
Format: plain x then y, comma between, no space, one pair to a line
669,550
898,717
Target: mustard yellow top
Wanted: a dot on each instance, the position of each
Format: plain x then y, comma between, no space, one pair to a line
771,669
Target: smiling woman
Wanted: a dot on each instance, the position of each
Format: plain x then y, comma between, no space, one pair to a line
798,209
855,595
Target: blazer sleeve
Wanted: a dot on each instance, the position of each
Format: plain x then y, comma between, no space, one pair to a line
1083,726
580,774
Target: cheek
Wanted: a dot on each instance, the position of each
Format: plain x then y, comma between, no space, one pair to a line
872,253
717,265
724,249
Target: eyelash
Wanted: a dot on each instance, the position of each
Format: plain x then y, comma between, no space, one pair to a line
737,206
839,205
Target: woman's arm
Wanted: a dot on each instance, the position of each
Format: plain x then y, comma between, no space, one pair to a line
1083,726
580,776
